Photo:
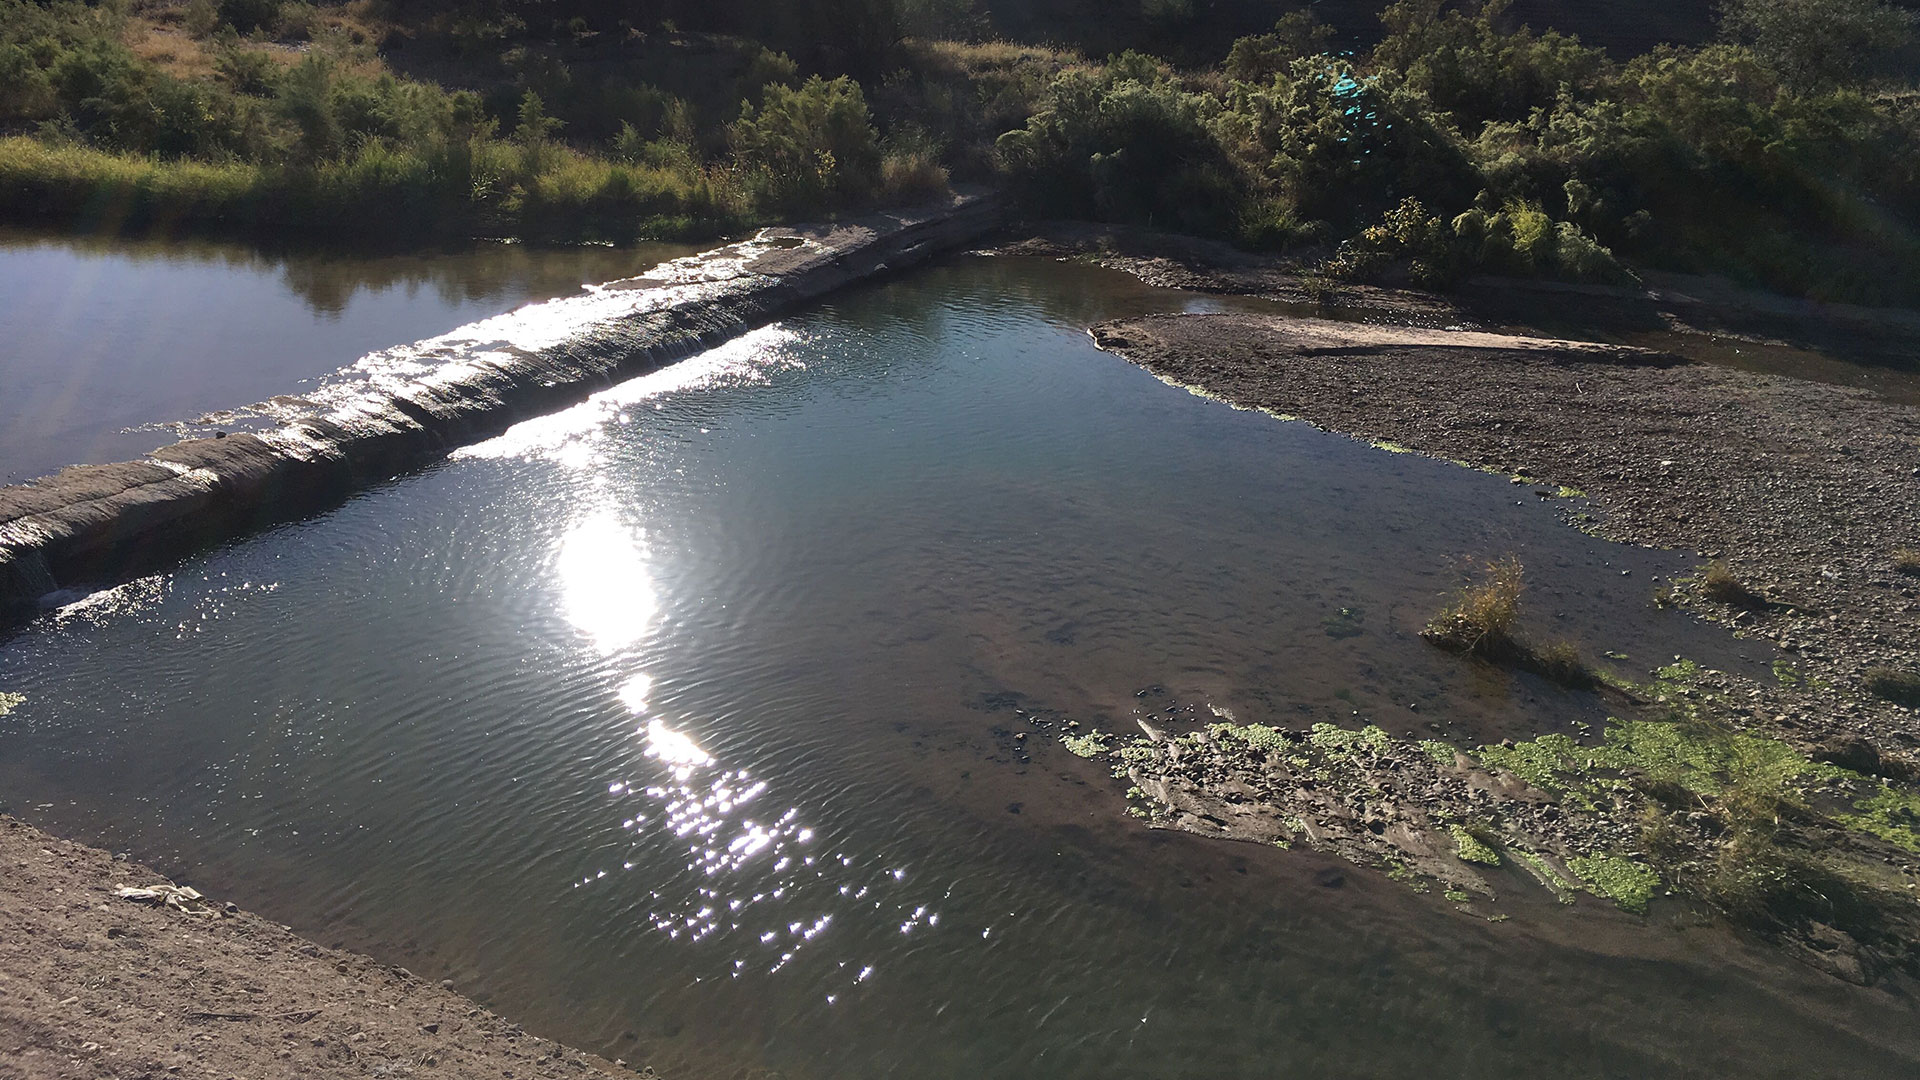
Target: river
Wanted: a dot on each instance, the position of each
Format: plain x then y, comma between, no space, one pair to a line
711,724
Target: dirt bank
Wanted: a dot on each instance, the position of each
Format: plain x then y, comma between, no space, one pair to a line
1806,491
1787,804
93,985
1715,313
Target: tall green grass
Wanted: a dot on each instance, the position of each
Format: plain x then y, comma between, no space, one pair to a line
480,187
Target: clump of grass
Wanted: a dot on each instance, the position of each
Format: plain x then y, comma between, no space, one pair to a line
1719,582
1902,687
1482,617
1561,662
1907,560
10,702
1481,621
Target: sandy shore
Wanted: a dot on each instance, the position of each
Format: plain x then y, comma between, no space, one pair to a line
96,986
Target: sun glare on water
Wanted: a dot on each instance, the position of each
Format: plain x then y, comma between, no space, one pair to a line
606,591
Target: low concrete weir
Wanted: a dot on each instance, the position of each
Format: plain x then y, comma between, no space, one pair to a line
397,409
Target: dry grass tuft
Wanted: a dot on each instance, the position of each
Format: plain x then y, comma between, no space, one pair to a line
1482,617
1561,662
1482,622
1894,684
1719,582
1907,560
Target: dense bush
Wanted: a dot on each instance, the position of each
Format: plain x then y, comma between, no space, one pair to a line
1816,44
1125,143
1786,155
1528,154
814,145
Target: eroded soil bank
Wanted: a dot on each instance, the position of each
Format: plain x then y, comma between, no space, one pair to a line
96,986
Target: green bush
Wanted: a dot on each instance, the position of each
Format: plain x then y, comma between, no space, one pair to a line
1256,59
248,16
1820,44
810,145
1126,143
1342,146
1475,73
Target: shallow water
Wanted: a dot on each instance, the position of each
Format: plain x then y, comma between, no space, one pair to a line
683,726
104,342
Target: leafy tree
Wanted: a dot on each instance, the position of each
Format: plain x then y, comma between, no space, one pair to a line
1343,146
1815,44
1258,58
1126,143
1475,72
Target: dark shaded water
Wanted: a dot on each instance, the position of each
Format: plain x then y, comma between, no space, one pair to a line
681,726
104,341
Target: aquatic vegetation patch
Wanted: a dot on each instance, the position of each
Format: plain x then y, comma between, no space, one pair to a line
1627,882
1258,737
1661,755
1540,762
1345,623
1345,740
1745,825
1891,814
1543,870
10,702
1090,745
1471,848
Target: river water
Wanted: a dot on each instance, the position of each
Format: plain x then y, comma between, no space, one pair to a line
105,344
710,724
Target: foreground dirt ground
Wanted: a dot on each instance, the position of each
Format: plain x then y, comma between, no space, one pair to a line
95,986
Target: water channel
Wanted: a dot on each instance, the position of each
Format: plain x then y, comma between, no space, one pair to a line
687,726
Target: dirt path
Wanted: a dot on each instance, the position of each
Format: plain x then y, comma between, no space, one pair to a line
95,986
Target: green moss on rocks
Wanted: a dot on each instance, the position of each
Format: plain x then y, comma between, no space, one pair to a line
1090,745
1471,848
1891,814
1627,882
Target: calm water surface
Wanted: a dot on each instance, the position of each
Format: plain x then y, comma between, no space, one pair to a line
105,342
682,725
